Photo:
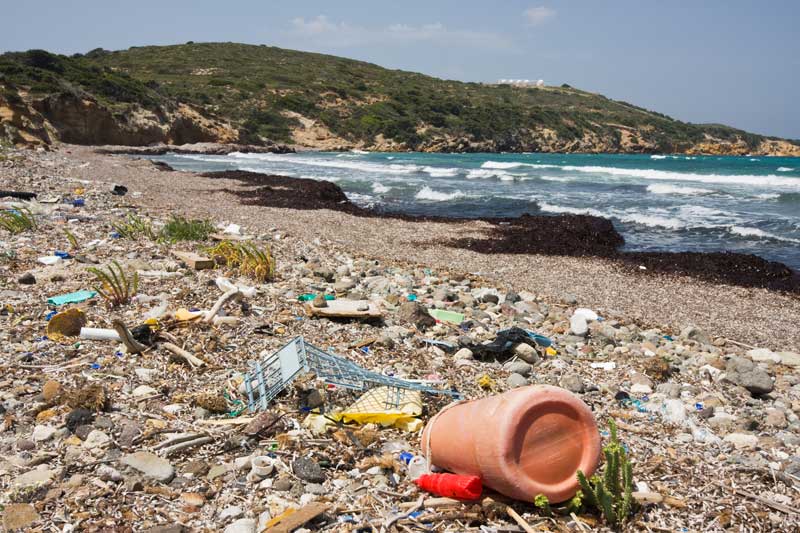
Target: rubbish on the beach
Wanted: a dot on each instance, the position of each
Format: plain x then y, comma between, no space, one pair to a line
49,260
451,485
78,202
345,309
446,346
486,383
528,441
71,298
233,229
416,467
386,407
260,467
502,345
99,334
292,519
66,324
157,311
184,315
18,195
119,190
309,297
194,261
443,315
268,377
225,285
605,365
551,351
62,255
586,314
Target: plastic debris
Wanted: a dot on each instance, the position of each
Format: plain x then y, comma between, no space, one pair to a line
268,377
66,324
447,316
49,260
345,309
71,298
99,334
451,485
388,407
502,346
606,365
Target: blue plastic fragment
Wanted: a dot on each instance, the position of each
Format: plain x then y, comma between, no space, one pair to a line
50,315
412,297
699,406
71,298
115,235
669,338
365,349
95,366
415,514
406,457
62,255
78,202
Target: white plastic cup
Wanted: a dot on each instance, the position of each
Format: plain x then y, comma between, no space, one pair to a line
260,467
99,334
417,467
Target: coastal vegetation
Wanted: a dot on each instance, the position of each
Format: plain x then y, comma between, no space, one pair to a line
272,93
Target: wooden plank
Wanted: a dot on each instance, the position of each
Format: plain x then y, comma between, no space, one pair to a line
287,522
194,261
344,309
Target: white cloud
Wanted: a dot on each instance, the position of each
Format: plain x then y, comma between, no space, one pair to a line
537,15
322,31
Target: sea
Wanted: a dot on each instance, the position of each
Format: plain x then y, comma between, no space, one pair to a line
657,202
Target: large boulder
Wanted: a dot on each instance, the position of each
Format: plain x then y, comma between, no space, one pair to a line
743,372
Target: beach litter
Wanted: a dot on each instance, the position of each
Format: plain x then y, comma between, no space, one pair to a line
71,298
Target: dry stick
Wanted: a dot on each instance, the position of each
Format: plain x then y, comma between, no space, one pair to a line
419,504
737,343
218,305
578,521
179,439
172,450
193,361
774,505
519,520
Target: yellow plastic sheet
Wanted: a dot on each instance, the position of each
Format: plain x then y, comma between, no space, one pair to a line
66,324
377,406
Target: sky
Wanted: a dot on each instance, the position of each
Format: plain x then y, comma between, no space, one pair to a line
731,62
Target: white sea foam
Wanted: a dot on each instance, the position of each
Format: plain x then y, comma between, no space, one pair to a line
363,166
649,174
505,165
555,178
768,196
641,219
479,173
359,152
784,169
426,193
441,172
659,188
380,188
656,156
744,231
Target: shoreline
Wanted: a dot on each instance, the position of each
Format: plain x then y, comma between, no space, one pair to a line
546,235
749,315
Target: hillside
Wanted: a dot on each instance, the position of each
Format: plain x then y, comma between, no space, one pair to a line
242,93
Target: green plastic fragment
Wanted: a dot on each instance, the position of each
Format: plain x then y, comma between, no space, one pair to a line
446,316
308,297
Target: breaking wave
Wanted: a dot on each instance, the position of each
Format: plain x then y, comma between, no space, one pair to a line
658,188
426,193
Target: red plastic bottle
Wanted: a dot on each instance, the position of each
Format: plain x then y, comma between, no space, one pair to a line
451,485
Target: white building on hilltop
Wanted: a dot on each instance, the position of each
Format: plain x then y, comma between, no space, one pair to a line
522,83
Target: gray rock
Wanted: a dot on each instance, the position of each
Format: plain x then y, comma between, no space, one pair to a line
573,383
515,380
79,417
527,353
417,314
43,433
695,334
130,431
670,390
520,367
325,273
171,528
744,373
231,512
570,299
464,354
108,473
308,470
25,445
578,326
512,297
34,478
150,465
316,488
344,285
26,279
243,525
283,484
319,301
490,298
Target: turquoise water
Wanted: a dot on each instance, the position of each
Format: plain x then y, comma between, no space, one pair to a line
673,203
